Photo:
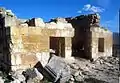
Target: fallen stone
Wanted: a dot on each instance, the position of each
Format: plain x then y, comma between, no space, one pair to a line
17,75
32,75
1,80
61,69
46,71
79,78
74,66
108,64
39,75
66,74
72,79
16,81
77,73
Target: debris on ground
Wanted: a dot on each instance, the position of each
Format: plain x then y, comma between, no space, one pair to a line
59,70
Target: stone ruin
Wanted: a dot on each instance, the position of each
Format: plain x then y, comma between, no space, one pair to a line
90,40
25,42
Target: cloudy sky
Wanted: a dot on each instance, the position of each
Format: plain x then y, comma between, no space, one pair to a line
47,9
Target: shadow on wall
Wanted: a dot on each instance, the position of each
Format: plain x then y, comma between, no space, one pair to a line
81,40
5,41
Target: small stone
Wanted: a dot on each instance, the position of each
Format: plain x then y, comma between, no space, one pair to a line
39,75
71,82
80,73
72,79
1,80
16,81
74,66
108,64
78,78
76,73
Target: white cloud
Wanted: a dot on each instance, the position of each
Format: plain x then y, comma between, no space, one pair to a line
96,9
87,7
79,12
91,8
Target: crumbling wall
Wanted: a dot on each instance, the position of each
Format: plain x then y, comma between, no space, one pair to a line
87,32
98,32
36,22
82,39
30,43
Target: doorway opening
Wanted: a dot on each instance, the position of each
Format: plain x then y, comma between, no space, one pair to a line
57,44
101,44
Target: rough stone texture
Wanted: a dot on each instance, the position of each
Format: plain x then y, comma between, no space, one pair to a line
63,20
36,22
58,25
104,70
101,33
60,68
87,32
17,76
1,80
27,42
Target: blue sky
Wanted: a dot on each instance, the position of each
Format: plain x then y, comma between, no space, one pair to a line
48,9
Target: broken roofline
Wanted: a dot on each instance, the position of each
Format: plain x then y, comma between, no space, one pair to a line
55,20
9,12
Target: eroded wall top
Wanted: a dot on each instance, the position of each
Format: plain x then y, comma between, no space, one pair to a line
12,20
85,20
82,21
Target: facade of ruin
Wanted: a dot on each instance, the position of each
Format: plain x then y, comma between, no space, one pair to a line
25,42
90,40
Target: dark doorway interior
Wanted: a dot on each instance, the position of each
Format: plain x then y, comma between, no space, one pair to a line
101,44
5,41
58,45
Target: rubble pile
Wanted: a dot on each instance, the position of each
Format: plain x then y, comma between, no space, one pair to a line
103,70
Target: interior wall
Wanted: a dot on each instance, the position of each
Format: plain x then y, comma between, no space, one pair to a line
82,38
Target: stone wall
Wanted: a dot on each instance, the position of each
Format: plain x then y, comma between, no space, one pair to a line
68,47
97,33
30,43
87,32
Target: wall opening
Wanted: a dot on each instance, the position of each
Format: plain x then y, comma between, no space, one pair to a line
101,45
58,45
